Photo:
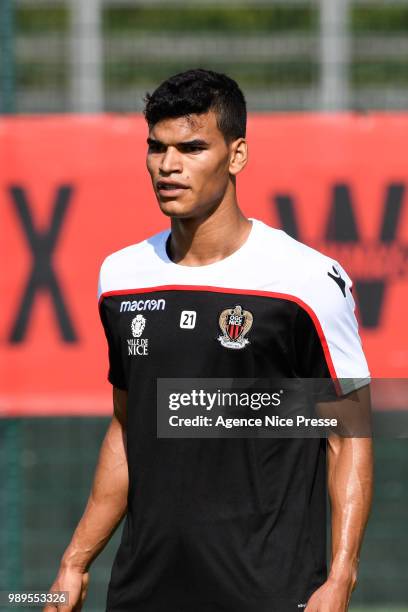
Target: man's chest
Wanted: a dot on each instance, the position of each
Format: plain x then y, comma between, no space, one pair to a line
202,332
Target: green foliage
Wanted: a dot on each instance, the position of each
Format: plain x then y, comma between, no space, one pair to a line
35,74
389,73
388,19
52,72
282,73
243,20
41,19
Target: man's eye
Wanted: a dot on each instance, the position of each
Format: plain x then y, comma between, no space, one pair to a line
155,148
192,149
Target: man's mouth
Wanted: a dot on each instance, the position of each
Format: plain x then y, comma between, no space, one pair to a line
170,186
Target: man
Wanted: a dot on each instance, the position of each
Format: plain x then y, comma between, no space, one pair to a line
220,525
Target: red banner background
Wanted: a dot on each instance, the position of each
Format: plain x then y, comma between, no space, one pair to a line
338,182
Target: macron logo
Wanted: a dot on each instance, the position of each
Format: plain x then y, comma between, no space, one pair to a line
132,306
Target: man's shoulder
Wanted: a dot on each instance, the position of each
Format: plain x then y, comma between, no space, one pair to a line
291,267
132,251
293,255
118,266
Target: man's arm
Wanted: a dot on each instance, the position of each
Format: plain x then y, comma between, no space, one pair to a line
105,508
350,481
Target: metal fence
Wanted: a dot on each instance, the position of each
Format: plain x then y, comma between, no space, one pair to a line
75,56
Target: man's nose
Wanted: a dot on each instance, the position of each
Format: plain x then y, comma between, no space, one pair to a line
171,161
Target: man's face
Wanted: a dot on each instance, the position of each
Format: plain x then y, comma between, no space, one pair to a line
189,163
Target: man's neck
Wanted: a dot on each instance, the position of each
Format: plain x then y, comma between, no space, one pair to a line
199,242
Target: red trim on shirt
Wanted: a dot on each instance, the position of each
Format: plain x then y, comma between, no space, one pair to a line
283,296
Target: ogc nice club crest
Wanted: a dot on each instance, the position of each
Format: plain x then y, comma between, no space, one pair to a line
235,323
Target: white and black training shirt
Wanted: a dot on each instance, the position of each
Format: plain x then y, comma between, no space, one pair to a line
224,525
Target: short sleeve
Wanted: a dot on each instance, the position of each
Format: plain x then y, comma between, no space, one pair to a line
116,374
327,339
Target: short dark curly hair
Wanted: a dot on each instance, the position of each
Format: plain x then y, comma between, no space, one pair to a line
199,91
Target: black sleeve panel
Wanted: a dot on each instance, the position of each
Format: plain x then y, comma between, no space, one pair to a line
116,374
311,361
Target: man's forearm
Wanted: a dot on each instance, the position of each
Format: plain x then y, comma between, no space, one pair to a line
350,480
350,488
106,504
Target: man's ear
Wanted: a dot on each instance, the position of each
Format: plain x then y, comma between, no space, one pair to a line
238,156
